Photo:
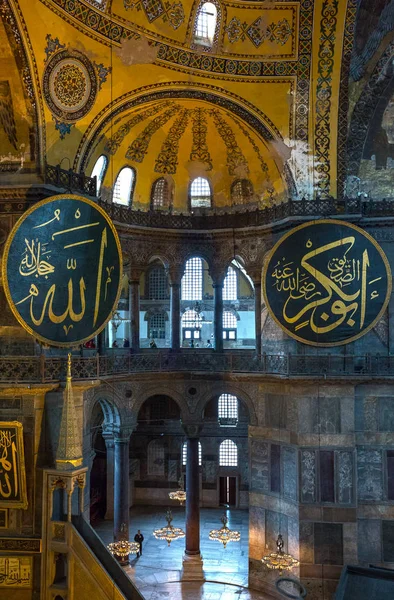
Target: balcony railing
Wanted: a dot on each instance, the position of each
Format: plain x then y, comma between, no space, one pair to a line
42,369
69,180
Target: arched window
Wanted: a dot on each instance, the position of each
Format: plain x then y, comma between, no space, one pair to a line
124,186
99,171
228,454
241,191
157,283
191,325
156,458
229,326
230,285
228,407
160,197
200,193
184,454
157,326
192,280
205,27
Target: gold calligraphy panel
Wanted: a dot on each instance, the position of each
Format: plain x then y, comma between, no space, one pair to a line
62,270
16,571
12,466
326,283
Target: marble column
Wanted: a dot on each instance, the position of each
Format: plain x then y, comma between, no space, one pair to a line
110,446
175,278
218,315
121,485
257,314
134,308
101,342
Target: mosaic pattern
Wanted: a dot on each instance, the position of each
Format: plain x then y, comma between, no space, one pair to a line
167,161
235,158
324,92
257,32
263,164
7,113
200,150
173,14
113,144
139,147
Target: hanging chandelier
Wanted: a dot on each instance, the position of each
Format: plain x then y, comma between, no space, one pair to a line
169,533
224,534
123,548
279,561
180,494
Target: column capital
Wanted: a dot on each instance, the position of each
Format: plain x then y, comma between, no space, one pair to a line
121,435
255,273
175,274
218,275
135,273
192,430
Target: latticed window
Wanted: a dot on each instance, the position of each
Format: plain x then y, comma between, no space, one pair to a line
184,454
157,284
228,407
229,326
160,194
200,193
123,187
99,171
191,325
192,280
241,191
156,458
228,454
204,32
230,285
157,326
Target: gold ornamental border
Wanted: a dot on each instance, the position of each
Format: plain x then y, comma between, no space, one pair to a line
5,261
21,465
374,243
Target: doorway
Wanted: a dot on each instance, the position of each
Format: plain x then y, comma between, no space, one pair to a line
228,491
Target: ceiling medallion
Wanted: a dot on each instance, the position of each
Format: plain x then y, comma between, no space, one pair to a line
169,533
279,561
224,534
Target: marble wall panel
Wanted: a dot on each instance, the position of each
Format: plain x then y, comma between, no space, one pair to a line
289,462
259,476
369,474
388,540
293,537
345,477
209,471
306,542
326,415
257,526
173,470
308,476
369,540
275,523
306,418
135,468
386,414
275,411
328,543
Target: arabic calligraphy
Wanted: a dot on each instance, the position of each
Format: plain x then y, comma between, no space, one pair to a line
62,270
16,571
319,284
12,478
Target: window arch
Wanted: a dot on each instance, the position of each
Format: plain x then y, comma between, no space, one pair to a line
205,27
99,169
229,325
230,285
228,454
157,326
184,454
157,283
160,196
192,280
200,193
124,186
241,191
191,325
156,458
228,407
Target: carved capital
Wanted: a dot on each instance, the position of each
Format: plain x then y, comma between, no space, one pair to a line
192,429
122,434
135,273
175,274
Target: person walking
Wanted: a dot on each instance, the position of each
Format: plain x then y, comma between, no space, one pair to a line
139,538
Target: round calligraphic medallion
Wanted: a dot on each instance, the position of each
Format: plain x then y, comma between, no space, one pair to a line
326,283
70,85
62,270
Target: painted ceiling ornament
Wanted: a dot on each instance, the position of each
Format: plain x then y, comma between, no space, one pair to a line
258,32
173,14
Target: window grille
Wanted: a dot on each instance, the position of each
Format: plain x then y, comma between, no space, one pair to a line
230,285
160,194
200,193
229,326
157,284
228,407
241,191
228,454
192,280
123,186
157,326
184,454
156,458
99,171
206,24
191,325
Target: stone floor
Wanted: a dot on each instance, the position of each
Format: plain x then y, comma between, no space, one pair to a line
157,572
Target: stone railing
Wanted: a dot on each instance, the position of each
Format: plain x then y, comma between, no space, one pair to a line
69,180
42,369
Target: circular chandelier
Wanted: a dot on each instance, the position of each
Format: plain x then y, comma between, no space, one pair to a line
169,533
180,494
224,534
123,548
279,561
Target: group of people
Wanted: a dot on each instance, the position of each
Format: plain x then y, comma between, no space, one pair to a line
195,345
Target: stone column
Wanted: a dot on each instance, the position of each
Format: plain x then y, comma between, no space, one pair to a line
256,277
192,559
218,275
175,278
121,484
110,446
101,342
134,308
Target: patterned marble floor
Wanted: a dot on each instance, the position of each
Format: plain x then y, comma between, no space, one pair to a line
157,572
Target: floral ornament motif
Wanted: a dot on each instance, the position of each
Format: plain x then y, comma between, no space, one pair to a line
235,30
167,161
155,9
175,15
53,45
63,128
102,73
139,147
258,32
235,158
200,150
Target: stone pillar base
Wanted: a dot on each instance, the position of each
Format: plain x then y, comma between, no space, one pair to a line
192,568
